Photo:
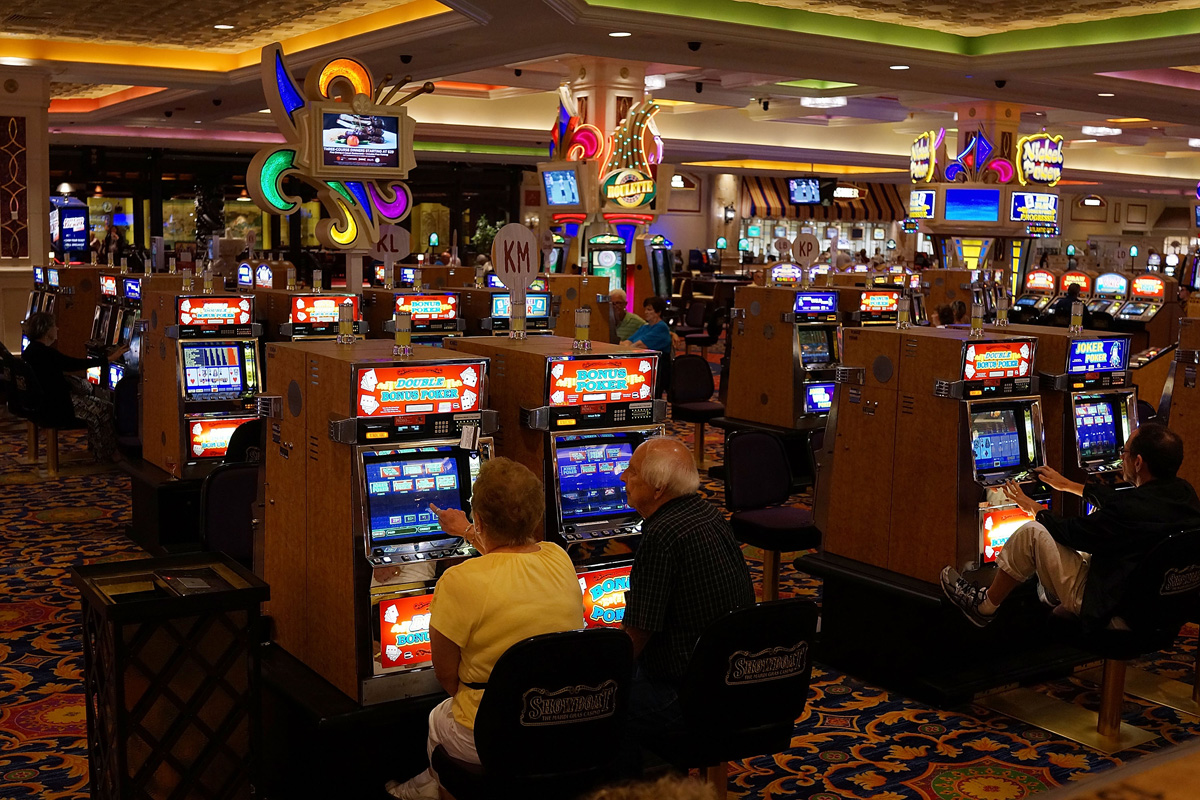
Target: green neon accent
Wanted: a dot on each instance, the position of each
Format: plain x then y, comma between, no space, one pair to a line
489,149
1078,34
276,164
343,191
810,83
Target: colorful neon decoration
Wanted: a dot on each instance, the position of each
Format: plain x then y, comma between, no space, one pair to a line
360,192
626,178
976,164
996,360
1040,159
922,160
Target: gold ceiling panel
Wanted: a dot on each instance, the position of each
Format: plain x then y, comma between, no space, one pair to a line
176,24
981,17
83,91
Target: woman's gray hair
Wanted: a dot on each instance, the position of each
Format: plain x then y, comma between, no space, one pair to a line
669,466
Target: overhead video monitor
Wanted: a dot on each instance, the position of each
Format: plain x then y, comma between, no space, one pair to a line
218,370
972,205
814,345
567,186
804,191
401,483
1101,426
357,140
562,188
588,474
818,398
1003,439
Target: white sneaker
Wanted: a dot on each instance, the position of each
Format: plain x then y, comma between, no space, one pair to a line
422,787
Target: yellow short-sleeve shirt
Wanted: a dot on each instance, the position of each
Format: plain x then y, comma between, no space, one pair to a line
487,604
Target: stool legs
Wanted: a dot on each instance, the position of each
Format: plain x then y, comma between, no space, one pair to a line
698,447
52,450
1112,696
770,579
718,776
31,449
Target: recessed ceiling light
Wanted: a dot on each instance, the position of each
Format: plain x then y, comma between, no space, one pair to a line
264,111
1099,130
223,27
1105,94
620,34
199,121
1193,142
655,82
898,66
822,102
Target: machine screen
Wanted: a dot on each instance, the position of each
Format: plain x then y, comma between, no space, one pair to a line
209,438
814,346
589,478
401,484
608,264
537,306
494,282
562,188
353,140
1098,355
996,439
214,368
1134,309
108,285
1026,300
93,375
818,398
115,373
816,303
1096,431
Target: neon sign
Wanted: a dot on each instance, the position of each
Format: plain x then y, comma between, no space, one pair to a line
1040,159
628,188
985,361
419,389
209,438
214,311
604,596
577,382
922,160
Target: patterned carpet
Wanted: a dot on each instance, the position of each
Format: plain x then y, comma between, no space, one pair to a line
854,741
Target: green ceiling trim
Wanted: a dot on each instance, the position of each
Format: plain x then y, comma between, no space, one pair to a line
811,83
482,149
1098,32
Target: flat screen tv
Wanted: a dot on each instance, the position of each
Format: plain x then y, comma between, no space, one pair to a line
562,187
972,205
356,140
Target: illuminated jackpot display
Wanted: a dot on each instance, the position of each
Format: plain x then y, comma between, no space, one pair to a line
214,311
604,596
404,632
597,381
1098,355
987,361
320,309
998,525
1040,280
209,438
879,302
1150,287
428,307
418,389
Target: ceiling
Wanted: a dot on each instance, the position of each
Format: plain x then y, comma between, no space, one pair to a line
157,74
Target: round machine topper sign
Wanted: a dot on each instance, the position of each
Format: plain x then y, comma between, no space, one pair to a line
628,188
782,246
514,254
805,249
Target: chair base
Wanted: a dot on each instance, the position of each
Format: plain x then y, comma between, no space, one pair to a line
1064,719
1153,688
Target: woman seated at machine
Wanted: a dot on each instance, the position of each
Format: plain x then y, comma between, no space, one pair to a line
654,335
518,587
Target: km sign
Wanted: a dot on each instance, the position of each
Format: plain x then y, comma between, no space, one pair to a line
514,253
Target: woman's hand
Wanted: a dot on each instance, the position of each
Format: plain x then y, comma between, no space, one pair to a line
452,520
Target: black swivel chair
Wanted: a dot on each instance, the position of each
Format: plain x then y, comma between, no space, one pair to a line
28,401
746,685
227,504
246,443
550,720
125,415
1146,412
757,483
691,394
711,335
693,321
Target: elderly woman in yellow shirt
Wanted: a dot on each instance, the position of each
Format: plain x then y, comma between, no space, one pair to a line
518,587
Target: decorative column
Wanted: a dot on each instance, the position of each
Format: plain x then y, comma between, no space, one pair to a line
999,122
24,191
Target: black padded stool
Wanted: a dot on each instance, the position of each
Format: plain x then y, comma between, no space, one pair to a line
757,483
692,388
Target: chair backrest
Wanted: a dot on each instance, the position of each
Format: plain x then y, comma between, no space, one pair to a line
697,310
246,443
1146,412
27,399
751,667
757,473
1163,591
717,322
691,380
227,499
666,368
556,703
125,406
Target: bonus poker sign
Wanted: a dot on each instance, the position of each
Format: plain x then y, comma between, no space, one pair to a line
419,389
598,381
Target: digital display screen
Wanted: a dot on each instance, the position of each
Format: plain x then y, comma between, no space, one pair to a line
93,375
74,229
804,191
39,275
354,140
1098,355
995,439
879,302
1040,279
814,346
404,632
1196,211
816,303
419,389
245,275
589,479
562,187
1153,260
608,264
972,205
428,307
604,596
575,382
1143,286
52,274
786,273
922,204
995,360
321,309
1080,279
998,525
212,368
818,398
212,311
209,438
122,329
493,282
537,306
1112,283
108,285
400,489
1134,309
115,373
1096,431
1034,207
132,288
263,277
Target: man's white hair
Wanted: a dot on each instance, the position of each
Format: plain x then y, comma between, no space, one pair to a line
669,466
617,294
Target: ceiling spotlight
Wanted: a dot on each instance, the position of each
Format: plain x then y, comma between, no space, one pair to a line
656,82
1105,94
1099,130
243,197
823,102
264,111
223,27
898,66
1193,142
199,121
620,34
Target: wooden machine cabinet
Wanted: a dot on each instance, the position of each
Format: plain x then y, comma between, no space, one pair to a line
273,308
945,286
75,301
764,386
572,292
1185,398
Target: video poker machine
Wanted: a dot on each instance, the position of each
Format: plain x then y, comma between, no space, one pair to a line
117,324
1040,287
1146,315
1060,306
873,306
1110,292
201,377
575,418
488,311
434,314
306,314
71,294
360,443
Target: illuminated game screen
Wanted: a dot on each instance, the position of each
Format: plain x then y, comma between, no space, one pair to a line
1098,355
1149,286
419,389
1097,430
984,361
133,289
428,307
562,188
879,302
404,632
579,381
816,303
804,191
786,273
1026,300
93,375
353,140
39,275
814,346
922,204
604,596
321,309
608,264
589,478
52,276
108,285
209,438
972,205
122,328
218,367
1134,309
818,398
245,275
401,483
537,306
1111,283
494,282
1000,440
214,311
115,373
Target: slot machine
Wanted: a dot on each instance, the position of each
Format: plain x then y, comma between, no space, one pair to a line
1146,314
353,564
652,269
1060,306
875,306
488,311
783,358
556,263
117,327
574,292
493,281
1040,287
917,298
1110,292
606,258
37,294
784,273
903,389
295,315
434,315
201,377
1183,397
574,419
71,295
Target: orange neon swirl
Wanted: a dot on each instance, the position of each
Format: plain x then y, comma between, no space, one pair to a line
349,69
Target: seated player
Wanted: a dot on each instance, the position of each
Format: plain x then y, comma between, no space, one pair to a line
68,402
654,334
518,587
688,572
1082,563
627,322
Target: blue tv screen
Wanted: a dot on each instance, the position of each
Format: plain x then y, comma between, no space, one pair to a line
972,205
